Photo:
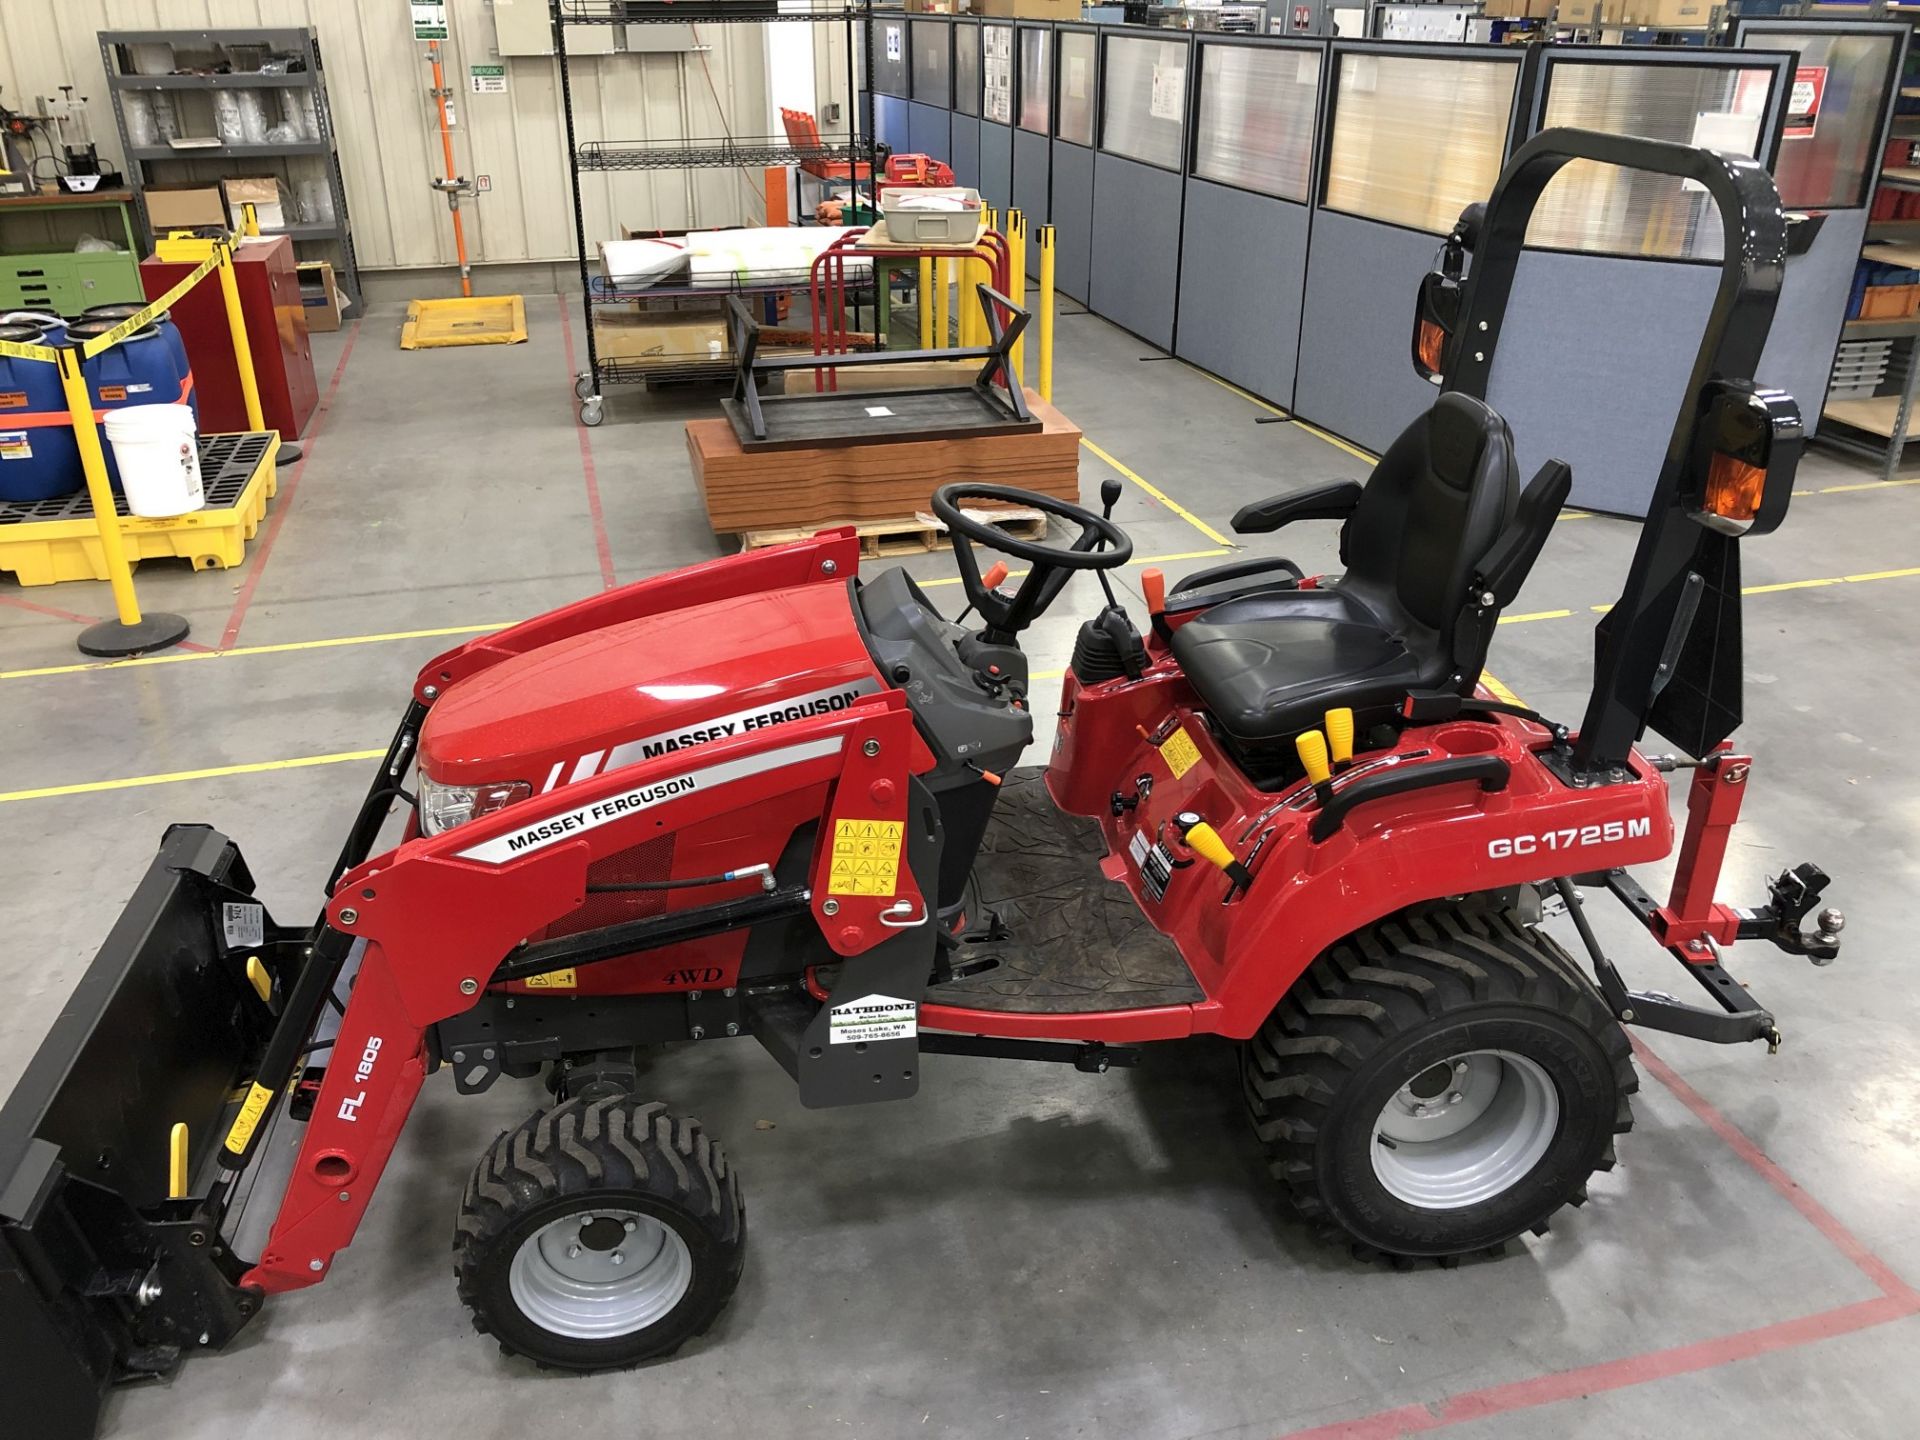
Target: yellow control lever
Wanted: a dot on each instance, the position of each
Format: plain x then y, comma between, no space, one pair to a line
1340,736
1205,842
258,978
177,1163
1313,756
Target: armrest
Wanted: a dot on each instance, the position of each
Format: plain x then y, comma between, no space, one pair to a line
1237,570
1335,501
1505,565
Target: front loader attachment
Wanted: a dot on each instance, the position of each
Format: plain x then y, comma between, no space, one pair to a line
112,1265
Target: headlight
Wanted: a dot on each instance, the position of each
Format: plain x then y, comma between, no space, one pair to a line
444,806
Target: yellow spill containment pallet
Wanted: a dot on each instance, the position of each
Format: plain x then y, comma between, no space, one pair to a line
45,541
475,320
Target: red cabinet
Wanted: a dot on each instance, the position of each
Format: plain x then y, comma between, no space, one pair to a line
276,333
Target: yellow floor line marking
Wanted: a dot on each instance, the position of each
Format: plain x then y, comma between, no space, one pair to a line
1314,430
183,656
1863,485
1167,500
1533,615
1881,575
1130,565
134,782
1500,692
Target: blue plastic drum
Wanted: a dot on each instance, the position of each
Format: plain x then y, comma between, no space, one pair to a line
140,370
169,332
39,458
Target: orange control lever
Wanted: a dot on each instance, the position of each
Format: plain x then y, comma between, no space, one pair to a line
996,575
1153,584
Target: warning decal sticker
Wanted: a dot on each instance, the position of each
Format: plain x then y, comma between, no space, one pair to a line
554,980
1179,751
866,857
243,924
873,1017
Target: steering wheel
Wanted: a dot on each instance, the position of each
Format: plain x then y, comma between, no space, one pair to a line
1100,545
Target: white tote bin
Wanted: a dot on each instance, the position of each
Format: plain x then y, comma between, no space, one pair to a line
159,459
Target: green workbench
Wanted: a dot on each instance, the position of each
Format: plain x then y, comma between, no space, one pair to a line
40,269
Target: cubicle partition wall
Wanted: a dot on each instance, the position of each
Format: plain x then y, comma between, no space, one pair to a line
1075,117
892,81
1138,185
1034,50
1410,135
1243,251
1847,79
997,61
963,150
1609,302
930,109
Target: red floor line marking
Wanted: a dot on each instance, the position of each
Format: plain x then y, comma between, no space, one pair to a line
52,610
1897,1301
1815,1214
1618,1374
600,543
285,496
57,613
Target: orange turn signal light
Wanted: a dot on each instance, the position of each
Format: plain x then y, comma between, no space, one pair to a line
1430,346
1734,487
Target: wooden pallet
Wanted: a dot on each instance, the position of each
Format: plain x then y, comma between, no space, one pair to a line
910,535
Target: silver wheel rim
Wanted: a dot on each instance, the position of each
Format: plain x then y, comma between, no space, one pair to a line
600,1274
1465,1130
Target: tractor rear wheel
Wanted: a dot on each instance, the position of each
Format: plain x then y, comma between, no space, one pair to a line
1439,1083
600,1233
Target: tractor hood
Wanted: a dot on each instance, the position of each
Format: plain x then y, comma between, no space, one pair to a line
641,688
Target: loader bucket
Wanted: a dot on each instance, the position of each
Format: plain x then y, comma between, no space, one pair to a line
106,1274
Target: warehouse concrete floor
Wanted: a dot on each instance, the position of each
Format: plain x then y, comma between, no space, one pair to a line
1021,1250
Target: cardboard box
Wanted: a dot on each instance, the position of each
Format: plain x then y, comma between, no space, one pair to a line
658,341
320,296
1028,9
184,207
264,193
1661,14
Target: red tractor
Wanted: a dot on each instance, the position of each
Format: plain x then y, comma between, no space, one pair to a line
763,797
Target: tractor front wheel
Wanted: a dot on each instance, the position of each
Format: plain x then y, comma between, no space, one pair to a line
1439,1083
600,1233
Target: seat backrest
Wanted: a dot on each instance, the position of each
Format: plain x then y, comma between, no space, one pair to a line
1431,510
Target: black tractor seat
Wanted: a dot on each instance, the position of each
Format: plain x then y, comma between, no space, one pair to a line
1435,544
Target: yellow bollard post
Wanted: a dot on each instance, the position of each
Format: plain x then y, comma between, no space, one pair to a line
237,328
1017,283
926,302
943,267
1046,312
130,632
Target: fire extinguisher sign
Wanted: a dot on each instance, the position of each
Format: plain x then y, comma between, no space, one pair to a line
1803,105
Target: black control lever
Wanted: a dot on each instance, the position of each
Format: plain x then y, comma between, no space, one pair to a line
1109,497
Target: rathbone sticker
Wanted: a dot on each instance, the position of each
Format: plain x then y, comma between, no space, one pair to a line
873,1017
721,727
569,824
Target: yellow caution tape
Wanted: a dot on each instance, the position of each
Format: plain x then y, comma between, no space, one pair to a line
15,350
248,1120
140,319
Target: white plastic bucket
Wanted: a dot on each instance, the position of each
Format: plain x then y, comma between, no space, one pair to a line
158,459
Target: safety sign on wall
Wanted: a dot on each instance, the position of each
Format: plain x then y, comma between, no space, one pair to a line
1803,101
429,19
488,79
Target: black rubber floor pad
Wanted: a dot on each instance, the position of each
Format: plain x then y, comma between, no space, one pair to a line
1079,942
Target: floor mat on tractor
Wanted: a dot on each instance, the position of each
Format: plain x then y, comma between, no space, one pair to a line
1079,942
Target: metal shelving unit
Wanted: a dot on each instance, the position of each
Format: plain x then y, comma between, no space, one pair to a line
122,80
750,152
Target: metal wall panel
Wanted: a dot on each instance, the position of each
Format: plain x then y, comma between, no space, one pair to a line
890,123
965,151
996,164
1136,244
929,131
389,146
1072,219
1243,271
966,68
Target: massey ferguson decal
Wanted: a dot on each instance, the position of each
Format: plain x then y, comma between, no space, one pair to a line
554,828
777,712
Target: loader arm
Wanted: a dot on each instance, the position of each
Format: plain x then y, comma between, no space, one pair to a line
436,917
